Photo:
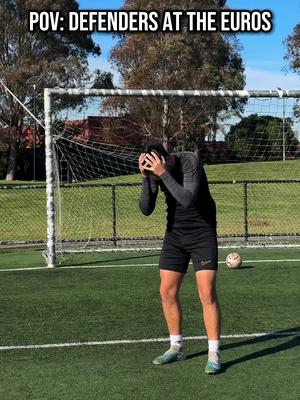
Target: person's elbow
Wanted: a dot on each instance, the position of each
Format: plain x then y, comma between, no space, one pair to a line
146,210
188,201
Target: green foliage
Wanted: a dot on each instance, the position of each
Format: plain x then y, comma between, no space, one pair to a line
260,138
103,80
56,58
292,44
183,60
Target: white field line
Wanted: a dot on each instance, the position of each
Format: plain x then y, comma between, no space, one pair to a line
131,265
137,341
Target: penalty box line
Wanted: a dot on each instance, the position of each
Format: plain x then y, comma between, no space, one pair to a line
131,265
138,341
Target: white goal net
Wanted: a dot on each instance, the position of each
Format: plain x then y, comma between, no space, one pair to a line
248,141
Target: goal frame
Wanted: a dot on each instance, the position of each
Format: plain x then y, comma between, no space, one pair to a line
49,143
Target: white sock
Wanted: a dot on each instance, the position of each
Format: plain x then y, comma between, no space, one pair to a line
176,340
214,345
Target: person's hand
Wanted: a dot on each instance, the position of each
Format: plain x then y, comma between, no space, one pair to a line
155,164
142,159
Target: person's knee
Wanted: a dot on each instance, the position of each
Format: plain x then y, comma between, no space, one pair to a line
208,297
168,293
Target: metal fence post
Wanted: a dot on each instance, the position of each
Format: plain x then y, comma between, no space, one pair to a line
114,214
246,233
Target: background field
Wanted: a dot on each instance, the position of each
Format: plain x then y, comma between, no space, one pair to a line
119,300
87,212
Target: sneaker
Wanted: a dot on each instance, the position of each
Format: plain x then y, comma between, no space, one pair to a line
175,353
213,365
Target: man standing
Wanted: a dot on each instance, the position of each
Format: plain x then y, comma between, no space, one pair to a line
190,234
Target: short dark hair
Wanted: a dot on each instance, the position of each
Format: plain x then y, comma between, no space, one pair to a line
157,147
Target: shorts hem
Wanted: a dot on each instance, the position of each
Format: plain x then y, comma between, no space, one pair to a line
174,269
199,267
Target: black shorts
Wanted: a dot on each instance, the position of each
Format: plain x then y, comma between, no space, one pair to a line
181,245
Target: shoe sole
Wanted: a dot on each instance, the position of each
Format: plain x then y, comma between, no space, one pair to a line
180,358
213,372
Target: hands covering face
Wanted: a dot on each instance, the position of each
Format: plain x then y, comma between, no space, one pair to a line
151,162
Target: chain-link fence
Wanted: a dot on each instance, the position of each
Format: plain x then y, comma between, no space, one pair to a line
22,214
246,211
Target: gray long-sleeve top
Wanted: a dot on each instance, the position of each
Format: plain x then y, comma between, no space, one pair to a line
189,203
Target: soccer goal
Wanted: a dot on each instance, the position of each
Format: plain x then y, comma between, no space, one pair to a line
248,141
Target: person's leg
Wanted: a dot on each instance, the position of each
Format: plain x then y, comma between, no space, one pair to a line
206,282
170,282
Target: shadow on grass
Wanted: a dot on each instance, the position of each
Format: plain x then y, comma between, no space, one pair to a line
246,267
240,268
293,342
99,262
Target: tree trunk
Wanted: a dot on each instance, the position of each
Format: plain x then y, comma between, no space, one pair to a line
165,135
13,152
184,139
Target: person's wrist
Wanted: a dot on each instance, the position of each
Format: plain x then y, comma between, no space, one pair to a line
163,171
142,172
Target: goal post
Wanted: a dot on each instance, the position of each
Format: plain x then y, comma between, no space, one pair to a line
49,151
116,155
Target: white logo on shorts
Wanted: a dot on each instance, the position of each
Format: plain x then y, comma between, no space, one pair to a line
205,262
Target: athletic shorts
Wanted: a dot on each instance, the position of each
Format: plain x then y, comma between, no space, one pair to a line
181,245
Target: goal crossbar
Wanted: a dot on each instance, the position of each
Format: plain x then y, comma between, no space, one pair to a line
177,93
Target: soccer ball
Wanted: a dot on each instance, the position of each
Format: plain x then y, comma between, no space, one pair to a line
233,260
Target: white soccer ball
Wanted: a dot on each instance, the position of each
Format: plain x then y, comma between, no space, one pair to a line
233,260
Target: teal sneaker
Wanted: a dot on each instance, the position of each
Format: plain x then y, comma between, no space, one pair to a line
213,365
175,353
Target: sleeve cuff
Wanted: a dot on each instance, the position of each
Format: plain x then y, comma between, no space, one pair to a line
164,175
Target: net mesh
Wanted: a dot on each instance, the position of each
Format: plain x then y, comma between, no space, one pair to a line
250,149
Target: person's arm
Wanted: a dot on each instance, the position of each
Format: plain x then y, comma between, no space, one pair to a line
148,195
149,188
185,194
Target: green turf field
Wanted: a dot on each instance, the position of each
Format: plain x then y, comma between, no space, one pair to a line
118,299
289,169
87,212
285,170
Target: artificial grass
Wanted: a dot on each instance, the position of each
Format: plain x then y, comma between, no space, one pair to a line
67,305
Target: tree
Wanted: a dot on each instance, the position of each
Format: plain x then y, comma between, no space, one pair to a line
260,138
58,58
292,44
103,80
182,60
